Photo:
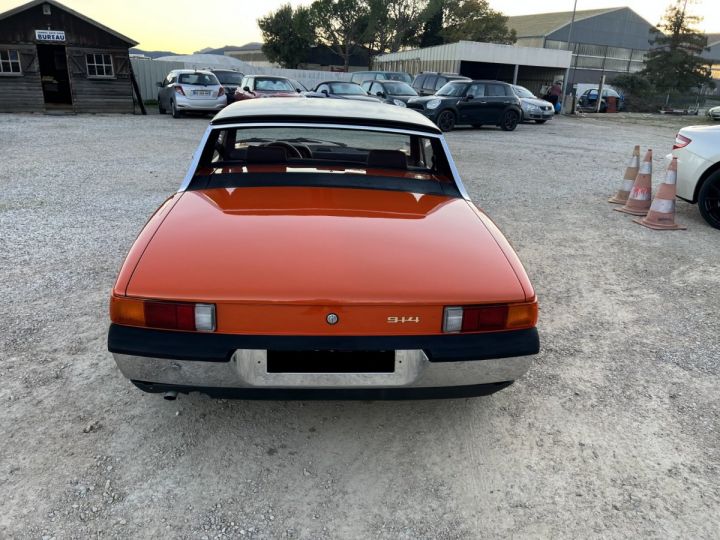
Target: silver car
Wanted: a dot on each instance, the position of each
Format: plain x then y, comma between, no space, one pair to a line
190,90
714,113
533,108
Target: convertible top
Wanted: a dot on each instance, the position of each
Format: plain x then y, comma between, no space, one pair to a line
326,111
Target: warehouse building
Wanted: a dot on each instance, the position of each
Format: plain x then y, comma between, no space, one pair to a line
53,58
531,67
606,41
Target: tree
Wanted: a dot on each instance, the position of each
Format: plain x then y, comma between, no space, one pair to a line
342,25
392,24
674,62
288,35
475,20
432,24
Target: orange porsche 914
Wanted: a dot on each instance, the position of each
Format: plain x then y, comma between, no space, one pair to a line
322,249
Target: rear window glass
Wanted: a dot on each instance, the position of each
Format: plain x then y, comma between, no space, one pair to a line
298,155
429,83
273,85
226,77
202,79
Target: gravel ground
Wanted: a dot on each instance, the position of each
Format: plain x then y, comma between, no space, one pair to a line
613,433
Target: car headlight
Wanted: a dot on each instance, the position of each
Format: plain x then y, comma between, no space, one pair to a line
399,102
433,104
532,108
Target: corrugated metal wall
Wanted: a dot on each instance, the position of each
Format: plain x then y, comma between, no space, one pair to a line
149,72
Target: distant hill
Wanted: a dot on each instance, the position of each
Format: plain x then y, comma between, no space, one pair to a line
223,50
152,54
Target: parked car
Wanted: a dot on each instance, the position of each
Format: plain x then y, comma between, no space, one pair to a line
714,113
255,86
230,79
393,92
698,176
342,90
533,108
301,257
471,102
588,99
427,83
360,76
190,90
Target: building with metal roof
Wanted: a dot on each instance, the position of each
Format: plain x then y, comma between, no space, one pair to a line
606,41
531,67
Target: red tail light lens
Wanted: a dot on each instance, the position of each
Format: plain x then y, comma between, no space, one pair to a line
165,315
221,92
179,90
490,318
681,141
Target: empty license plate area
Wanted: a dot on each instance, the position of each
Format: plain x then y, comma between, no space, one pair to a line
330,361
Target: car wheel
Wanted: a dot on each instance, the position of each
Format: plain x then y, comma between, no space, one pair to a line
175,112
709,200
540,121
509,121
161,109
446,121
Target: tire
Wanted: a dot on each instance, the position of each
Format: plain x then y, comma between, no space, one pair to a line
175,112
161,109
509,120
446,120
709,200
540,121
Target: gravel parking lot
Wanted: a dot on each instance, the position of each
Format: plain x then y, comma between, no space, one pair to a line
614,433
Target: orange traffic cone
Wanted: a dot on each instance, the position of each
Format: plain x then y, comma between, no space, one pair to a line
631,172
638,202
662,210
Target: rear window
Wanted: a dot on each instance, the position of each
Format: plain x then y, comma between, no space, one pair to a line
300,155
273,85
429,83
228,77
200,79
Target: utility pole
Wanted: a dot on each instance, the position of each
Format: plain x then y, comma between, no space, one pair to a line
568,87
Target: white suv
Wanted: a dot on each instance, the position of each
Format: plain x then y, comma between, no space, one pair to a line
190,90
698,151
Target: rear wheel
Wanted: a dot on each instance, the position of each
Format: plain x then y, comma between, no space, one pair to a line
709,200
446,121
175,112
509,121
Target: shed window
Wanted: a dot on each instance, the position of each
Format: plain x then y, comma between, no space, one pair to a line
99,65
9,61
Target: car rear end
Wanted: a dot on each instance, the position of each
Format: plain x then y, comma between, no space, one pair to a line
696,148
199,92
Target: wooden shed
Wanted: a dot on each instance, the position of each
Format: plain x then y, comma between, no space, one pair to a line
53,58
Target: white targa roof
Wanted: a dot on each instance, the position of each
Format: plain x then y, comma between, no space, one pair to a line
294,108
474,51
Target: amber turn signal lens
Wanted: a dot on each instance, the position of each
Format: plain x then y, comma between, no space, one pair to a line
127,311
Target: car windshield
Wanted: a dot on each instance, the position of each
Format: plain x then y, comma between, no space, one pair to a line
397,88
452,89
347,89
273,85
200,79
521,91
324,156
402,77
228,77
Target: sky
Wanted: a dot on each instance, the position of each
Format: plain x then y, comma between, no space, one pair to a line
185,26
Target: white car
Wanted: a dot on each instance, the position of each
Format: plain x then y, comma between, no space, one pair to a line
190,90
714,113
698,151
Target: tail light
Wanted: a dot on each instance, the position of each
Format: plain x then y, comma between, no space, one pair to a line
221,92
681,141
163,315
462,319
179,90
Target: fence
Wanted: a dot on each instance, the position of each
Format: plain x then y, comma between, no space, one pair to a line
149,72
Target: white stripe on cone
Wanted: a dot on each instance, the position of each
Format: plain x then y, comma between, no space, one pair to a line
627,185
663,206
634,161
646,168
671,177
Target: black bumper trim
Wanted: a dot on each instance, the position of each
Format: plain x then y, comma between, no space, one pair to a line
220,347
447,392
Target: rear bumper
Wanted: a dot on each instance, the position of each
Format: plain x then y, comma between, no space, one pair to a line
211,104
222,364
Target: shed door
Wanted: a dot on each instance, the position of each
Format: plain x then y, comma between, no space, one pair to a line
54,74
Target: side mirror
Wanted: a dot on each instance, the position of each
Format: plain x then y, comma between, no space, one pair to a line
324,92
380,94
469,97
298,90
246,88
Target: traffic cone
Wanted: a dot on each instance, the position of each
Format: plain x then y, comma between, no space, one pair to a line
631,172
638,202
662,210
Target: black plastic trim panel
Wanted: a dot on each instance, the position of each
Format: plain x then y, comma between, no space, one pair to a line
220,347
330,393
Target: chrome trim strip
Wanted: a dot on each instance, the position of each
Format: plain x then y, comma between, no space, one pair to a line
195,160
453,169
